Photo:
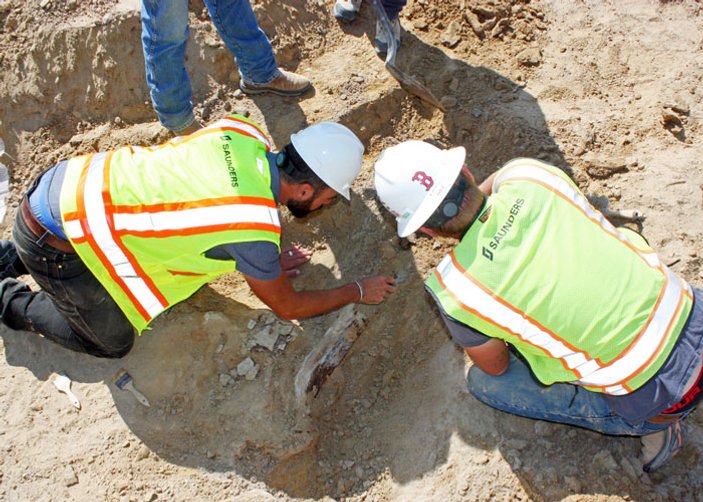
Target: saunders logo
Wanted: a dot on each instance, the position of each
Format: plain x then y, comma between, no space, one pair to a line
227,155
504,230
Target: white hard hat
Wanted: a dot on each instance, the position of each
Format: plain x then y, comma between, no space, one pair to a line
332,151
412,179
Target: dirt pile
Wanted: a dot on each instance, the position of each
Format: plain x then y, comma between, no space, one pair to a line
565,82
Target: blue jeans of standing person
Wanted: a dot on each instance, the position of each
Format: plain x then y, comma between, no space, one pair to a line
393,7
164,36
516,391
72,308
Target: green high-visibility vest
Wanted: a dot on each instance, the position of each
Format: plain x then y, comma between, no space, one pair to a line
142,219
584,302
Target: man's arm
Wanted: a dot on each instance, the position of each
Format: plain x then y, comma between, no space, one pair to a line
492,357
287,303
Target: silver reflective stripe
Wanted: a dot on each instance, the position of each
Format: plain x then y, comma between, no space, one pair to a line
197,218
611,375
100,230
530,169
241,126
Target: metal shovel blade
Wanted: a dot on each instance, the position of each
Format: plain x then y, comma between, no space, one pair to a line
407,82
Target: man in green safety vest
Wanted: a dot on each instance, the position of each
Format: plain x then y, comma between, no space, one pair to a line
115,238
565,317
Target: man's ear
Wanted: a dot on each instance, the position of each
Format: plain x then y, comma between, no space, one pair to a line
303,191
468,173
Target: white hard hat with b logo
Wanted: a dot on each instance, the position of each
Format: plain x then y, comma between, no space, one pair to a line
413,178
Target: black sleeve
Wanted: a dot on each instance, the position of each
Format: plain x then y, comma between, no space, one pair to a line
461,333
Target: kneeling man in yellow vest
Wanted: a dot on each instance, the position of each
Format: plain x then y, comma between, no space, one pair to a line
115,238
565,317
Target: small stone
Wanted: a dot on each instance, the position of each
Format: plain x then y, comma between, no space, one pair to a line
251,375
69,477
45,4
529,57
476,111
220,348
238,94
358,79
285,329
215,317
209,454
225,379
245,366
251,324
143,453
266,338
480,459
452,35
151,496
420,23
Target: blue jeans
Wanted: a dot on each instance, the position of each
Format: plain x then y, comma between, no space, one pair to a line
72,308
164,36
393,7
518,392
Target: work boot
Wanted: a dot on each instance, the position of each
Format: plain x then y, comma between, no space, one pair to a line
10,264
286,83
189,129
660,447
346,10
382,40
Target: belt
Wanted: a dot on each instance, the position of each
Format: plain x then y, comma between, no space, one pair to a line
689,401
40,230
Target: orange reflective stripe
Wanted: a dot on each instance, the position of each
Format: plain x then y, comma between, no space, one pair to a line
179,206
498,325
200,230
626,242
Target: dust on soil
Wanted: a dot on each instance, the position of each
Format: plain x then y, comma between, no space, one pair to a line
609,91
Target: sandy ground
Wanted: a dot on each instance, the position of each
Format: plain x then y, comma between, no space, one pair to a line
608,90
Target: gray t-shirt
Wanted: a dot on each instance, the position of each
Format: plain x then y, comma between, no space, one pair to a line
259,260
663,390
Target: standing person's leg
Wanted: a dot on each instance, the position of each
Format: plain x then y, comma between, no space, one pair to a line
382,39
237,25
164,36
72,309
393,7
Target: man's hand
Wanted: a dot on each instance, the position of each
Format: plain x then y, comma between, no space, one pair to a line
376,289
292,257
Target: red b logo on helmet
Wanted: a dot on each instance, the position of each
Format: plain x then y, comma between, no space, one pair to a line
424,180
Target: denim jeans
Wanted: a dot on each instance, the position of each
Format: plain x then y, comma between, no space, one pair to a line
164,36
72,308
393,7
518,392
